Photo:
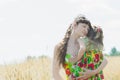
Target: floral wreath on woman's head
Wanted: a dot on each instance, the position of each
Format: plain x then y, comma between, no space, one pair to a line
97,29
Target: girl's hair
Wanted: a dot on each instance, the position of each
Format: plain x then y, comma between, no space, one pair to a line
98,35
63,47
96,39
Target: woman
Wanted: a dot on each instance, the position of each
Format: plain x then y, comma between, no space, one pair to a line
80,28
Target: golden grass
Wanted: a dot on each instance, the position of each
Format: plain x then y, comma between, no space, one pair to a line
40,69
32,69
112,70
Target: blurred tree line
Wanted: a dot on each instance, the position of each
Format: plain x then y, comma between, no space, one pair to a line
34,57
114,52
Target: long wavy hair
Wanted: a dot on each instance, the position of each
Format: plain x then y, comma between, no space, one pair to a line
63,47
97,36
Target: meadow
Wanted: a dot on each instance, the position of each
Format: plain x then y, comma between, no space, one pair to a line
40,69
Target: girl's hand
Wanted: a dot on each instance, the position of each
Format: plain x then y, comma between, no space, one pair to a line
88,73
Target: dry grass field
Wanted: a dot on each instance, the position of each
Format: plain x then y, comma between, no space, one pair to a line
112,70
40,69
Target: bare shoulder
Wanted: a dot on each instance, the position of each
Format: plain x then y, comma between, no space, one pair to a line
56,53
56,48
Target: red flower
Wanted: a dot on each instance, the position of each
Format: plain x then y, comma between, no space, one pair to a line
91,66
96,55
68,71
102,77
96,58
80,64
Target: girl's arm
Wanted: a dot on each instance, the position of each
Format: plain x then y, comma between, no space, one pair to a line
56,67
102,65
80,52
88,73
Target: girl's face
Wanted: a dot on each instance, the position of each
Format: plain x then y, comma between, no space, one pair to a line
81,29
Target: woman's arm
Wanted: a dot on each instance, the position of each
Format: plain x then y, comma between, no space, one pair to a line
80,52
88,73
56,67
101,67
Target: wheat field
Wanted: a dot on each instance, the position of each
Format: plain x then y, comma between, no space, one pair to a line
40,69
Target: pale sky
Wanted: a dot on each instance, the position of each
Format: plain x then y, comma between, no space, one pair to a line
33,27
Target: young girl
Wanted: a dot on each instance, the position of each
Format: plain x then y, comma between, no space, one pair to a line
91,59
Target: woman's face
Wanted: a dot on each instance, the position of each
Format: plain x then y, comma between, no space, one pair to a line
81,29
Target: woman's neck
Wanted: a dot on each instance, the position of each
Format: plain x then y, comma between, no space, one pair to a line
73,38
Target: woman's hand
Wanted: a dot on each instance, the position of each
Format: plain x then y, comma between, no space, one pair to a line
88,73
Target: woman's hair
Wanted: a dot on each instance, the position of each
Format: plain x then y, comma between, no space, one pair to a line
95,39
98,35
63,47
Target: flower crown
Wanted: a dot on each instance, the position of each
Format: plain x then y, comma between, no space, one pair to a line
98,29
